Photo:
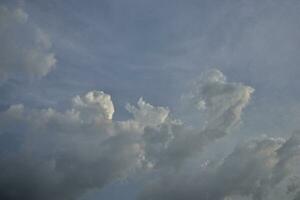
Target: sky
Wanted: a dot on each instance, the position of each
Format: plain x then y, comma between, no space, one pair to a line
152,100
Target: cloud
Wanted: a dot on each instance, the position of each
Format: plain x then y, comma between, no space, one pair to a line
250,171
221,102
148,115
59,155
52,154
95,102
25,48
258,169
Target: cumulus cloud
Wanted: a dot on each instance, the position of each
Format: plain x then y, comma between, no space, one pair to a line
51,154
94,104
25,48
59,155
221,102
258,169
249,172
148,115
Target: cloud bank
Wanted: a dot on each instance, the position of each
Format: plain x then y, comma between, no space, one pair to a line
25,48
259,169
58,155
53,154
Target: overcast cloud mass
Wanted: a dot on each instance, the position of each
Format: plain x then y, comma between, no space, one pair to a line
149,100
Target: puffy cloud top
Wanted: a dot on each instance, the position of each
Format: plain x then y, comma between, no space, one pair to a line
94,104
221,100
148,115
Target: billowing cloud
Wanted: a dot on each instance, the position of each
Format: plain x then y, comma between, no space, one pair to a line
221,100
94,104
52,154
254,170
59,155
148,115
258,169
25,48
221,103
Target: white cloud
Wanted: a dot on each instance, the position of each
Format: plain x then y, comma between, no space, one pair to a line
148,115
60,155
224,102
250,172
64,152
221,100
256,170
51,154
94,104
25,48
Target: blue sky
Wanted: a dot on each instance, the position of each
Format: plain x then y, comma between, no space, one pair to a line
104,42
56,50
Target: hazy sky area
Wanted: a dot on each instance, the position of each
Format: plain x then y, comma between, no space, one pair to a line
150,100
